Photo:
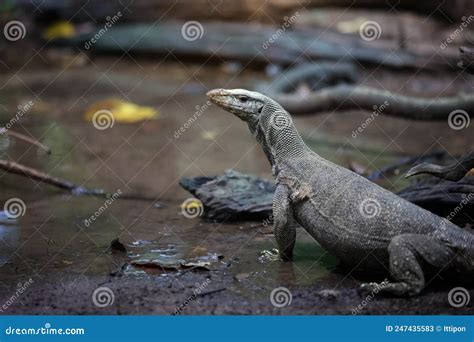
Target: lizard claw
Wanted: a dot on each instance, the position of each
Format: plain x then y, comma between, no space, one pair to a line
373,286
269,255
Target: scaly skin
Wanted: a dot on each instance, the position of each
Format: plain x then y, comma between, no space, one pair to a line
364,225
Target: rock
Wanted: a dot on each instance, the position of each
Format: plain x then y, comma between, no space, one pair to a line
233,196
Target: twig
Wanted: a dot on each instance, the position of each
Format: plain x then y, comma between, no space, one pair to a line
22,170
350,97
29,140
19,169
211,292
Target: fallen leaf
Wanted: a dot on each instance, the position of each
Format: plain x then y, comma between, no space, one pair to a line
208,135
60,29
122,111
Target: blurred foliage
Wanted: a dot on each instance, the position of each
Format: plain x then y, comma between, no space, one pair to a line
7,6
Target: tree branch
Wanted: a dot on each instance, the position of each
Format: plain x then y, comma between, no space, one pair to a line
350,97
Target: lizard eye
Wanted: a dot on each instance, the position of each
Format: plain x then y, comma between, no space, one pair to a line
243,98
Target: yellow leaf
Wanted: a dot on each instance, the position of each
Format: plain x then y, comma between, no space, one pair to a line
60,29
121,111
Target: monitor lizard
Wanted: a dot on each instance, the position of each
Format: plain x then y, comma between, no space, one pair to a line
364,225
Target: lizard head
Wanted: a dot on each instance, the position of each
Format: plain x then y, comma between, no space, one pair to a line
263,115
267,120
247,105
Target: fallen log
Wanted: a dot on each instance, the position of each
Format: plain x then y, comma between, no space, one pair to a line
262,10
246,42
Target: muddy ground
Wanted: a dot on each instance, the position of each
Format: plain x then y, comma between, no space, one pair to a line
68,260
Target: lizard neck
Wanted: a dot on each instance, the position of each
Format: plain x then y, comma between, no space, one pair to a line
279,138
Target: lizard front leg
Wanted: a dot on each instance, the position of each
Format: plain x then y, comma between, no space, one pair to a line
285,232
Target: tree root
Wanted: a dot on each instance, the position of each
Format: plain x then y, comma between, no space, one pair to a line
403,162
350,97
453,172
316,75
